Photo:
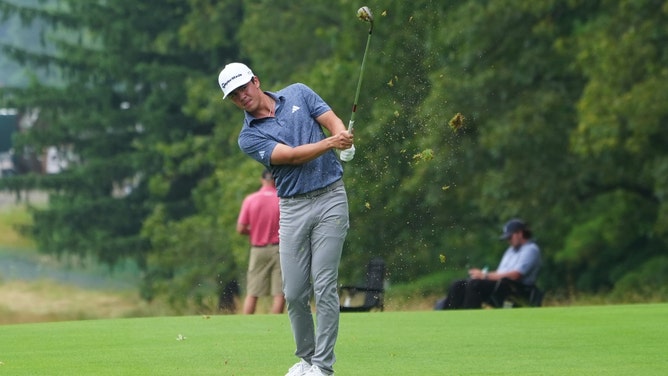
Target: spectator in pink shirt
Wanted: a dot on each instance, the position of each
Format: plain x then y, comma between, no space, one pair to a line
258,219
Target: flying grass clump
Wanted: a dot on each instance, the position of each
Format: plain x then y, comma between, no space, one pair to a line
425,156
457,122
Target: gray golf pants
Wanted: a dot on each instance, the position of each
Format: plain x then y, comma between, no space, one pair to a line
313,228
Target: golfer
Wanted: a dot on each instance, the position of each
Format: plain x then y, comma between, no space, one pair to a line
283,131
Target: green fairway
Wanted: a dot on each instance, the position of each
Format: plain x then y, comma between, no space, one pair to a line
600,340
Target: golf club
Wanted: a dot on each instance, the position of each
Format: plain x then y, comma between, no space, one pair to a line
364,14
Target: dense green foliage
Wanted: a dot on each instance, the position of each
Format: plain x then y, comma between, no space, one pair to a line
565,127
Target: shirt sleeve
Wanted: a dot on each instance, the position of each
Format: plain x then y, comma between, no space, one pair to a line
257,147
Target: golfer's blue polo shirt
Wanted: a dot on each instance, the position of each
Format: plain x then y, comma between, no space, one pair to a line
293,124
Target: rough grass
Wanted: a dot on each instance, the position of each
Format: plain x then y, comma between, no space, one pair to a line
42,301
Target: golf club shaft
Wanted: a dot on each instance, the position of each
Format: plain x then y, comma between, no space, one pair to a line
363,14
351,123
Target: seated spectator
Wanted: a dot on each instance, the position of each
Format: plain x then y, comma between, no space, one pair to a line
517,270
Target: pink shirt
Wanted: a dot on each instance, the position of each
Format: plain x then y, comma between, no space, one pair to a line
260,212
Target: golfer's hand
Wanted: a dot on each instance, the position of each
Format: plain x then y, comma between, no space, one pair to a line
345,141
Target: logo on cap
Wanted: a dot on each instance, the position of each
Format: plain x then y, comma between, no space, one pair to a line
228,81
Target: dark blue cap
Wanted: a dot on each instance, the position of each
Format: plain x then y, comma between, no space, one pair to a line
512,227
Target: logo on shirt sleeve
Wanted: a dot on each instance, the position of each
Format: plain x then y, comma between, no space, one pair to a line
261,152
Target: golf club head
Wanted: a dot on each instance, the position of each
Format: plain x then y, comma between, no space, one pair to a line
364,14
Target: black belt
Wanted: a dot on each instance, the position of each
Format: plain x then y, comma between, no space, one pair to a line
318,192
264,246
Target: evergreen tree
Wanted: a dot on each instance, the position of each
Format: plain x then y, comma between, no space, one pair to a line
118,122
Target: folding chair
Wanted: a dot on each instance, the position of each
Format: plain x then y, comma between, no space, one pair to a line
518,295
365,298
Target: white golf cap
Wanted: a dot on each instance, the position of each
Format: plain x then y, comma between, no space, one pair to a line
233,76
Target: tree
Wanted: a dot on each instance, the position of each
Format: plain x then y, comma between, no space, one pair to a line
125,69
621,140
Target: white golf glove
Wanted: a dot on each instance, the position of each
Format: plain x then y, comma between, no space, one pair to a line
348,154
